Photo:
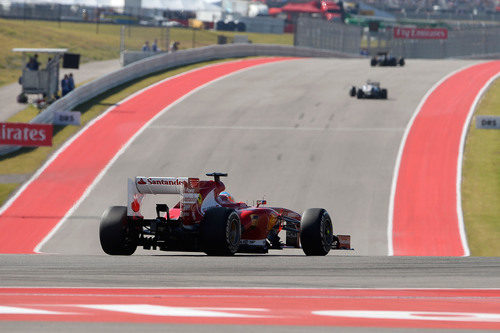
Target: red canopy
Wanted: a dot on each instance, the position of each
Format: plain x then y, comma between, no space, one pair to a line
303,7
274,11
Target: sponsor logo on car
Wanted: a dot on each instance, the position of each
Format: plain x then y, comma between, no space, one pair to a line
160,181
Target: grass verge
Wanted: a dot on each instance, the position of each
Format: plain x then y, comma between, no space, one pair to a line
481,181
27,160
99,44
6,190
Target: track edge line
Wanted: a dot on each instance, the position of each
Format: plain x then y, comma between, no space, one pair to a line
461,149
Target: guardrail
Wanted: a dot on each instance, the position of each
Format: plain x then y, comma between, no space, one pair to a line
162,62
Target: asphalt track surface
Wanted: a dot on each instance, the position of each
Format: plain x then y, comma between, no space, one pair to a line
288,132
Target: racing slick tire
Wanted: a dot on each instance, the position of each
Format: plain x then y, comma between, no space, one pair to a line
316,232
116,233
402,62
373,62
360,94
220,232
383,94
352,92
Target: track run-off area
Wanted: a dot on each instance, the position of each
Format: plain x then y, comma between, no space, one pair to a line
284,129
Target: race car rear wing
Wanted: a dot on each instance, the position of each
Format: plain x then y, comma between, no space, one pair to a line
140,186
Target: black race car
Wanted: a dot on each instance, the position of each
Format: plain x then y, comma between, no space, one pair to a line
385,59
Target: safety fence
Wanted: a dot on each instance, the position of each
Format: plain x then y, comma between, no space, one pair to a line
476,43
465,43
321,34
162,62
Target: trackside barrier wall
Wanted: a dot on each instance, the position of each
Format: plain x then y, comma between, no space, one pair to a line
162,62
464,43
322,34
474,43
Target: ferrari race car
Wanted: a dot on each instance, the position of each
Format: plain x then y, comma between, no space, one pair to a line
207,219
385,59
369,90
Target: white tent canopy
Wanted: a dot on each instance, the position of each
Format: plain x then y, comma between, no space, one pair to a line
188,5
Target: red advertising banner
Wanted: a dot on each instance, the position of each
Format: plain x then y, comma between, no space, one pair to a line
21,134
420,33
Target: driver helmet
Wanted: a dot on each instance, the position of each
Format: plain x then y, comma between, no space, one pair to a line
225,196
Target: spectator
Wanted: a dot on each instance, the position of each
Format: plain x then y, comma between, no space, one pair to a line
154,47
33,63
36,64
71,82
65,85
145,47
175,46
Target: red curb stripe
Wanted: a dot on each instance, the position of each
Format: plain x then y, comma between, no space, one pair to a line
418,308
46,200
425,220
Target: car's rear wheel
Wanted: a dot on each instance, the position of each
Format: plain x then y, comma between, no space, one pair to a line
316,232
360,94
402,62
352,92
116,232
220,232
373,62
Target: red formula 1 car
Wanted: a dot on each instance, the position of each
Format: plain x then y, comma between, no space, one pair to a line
207,219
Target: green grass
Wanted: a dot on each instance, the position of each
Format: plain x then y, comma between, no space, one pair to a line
6,190
83,38
481,181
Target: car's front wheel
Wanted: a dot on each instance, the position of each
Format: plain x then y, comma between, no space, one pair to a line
116,232
316,232
383,94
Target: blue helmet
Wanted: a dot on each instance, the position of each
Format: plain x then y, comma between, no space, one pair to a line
225,196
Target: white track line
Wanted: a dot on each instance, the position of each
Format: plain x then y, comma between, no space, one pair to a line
231,288
465,130
390,246
280,128
125,146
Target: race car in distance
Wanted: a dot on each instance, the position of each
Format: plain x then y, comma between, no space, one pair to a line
370,89
385,59
207,219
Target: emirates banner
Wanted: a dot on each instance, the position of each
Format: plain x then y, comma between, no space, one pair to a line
420,33
22,134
